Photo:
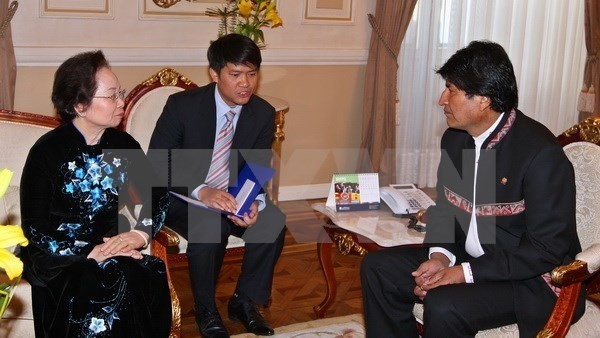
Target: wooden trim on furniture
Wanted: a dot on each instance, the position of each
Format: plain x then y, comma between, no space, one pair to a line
587,130
29,118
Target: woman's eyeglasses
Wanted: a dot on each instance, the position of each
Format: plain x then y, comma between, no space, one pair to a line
114,97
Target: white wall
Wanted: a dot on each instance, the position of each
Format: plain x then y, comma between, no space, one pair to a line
318,68
129,37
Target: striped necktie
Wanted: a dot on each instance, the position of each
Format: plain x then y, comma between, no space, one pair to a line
218,174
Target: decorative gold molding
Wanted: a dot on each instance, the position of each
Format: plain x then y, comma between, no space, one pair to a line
559,272
98,9
545,333
171,236
176,315
165,3
279,124
589,129
167,77
345,243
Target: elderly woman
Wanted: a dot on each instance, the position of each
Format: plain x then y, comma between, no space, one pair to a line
88,276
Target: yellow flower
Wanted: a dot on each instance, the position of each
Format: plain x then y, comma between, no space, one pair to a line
262,5
245,8
271,5
5,177
273,18
11,235
247,17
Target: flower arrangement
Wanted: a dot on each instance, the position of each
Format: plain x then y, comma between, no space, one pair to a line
247,17
10,235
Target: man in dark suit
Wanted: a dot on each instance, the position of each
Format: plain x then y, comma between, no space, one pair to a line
503,219
202,127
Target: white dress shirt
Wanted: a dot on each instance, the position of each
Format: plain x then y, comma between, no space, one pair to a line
472,244
221,111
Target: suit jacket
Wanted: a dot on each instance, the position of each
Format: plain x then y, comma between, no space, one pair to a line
187,126
525,209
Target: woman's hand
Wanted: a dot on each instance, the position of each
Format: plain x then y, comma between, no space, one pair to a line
98,255
125,244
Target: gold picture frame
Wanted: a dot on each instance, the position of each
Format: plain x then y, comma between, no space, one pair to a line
176,9
98,9
328,12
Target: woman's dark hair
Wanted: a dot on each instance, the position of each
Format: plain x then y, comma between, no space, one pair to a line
483,68
233,48
75,82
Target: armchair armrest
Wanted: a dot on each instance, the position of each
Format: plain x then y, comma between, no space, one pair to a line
571,277
574,272
585,267
167,237
164,239
591,255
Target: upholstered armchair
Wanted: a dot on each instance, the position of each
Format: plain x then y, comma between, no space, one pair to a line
581,143
143,107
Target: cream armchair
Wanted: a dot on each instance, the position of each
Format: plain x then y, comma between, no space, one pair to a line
581,143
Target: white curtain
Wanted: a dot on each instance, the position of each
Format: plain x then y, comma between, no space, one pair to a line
543,38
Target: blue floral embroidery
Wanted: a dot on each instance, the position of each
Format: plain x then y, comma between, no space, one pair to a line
53,246
93,179
94,185
97,325
63,248
102,318
71,228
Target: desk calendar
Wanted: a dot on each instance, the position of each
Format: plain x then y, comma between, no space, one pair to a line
351,192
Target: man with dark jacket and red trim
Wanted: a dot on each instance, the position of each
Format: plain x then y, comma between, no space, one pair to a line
503,219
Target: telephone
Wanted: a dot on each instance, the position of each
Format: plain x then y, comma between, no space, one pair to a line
405,198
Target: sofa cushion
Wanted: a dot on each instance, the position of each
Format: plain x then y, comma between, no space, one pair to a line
17,320
16,139
10,212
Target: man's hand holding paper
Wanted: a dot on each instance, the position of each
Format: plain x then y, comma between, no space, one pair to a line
218,199
249,218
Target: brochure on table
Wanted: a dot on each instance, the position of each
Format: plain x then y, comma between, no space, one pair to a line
351,192
249,183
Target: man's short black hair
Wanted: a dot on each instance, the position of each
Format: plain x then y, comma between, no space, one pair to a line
233,48
483,68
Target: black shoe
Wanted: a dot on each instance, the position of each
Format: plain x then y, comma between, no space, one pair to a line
244,310
211,325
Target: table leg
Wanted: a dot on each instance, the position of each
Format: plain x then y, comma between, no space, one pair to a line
324,252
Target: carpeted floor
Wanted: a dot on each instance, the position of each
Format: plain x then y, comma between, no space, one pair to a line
351,326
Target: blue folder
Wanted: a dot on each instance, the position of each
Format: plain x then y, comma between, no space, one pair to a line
249,183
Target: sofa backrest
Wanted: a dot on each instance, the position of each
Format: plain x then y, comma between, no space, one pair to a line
18,132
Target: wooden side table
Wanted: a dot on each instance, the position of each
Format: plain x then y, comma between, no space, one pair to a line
357,233
281,108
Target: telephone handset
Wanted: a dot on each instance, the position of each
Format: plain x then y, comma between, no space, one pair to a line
405,198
